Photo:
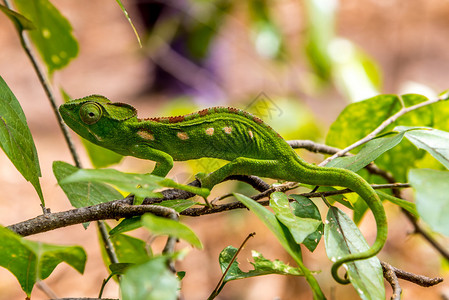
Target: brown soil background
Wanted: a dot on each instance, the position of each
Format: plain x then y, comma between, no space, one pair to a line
408,39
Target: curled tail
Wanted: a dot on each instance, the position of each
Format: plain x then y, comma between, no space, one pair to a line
341,177
366,192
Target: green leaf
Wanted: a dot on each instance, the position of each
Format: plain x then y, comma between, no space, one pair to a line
370,151
181,274
262,266
127,224
285,238
141,185
300,228
431,188
19,21
129,21
132,223
361,118
31,261
49,256
434,141
128,249
81,194
407,205
303,207
119,268
179,205
16,139
343,199
342,237
151,280
162,226
53,36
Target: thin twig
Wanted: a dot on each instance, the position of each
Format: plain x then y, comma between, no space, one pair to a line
390,276
104,211
219,285
325,149
313,146
418,229
252,180
417,279
169,247
382,126
108,246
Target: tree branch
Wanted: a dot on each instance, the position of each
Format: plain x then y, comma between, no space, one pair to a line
109,210
325,149
382,126
390,276
124,208
417,279
428,237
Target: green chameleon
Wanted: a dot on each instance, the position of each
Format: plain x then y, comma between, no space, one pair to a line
250,146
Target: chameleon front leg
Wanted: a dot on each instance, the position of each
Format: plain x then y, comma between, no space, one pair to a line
164,162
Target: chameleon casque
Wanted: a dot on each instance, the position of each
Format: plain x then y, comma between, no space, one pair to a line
250,146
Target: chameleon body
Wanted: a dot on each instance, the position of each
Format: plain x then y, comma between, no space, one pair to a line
250,146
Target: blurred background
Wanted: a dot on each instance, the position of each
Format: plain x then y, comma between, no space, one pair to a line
296,64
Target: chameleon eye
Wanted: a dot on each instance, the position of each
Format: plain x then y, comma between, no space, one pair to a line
90,113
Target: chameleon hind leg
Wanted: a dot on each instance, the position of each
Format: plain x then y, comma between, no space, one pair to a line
239,166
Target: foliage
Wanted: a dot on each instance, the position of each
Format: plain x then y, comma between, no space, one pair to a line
342,237
53,34
32,261
407,148
16,140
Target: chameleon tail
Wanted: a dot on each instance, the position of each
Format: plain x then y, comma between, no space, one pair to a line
351,180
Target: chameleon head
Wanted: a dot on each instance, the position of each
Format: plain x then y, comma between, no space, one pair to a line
95,118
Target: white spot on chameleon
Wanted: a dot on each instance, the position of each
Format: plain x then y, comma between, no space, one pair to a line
183,136
251,135
227,130
210,131
145,135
